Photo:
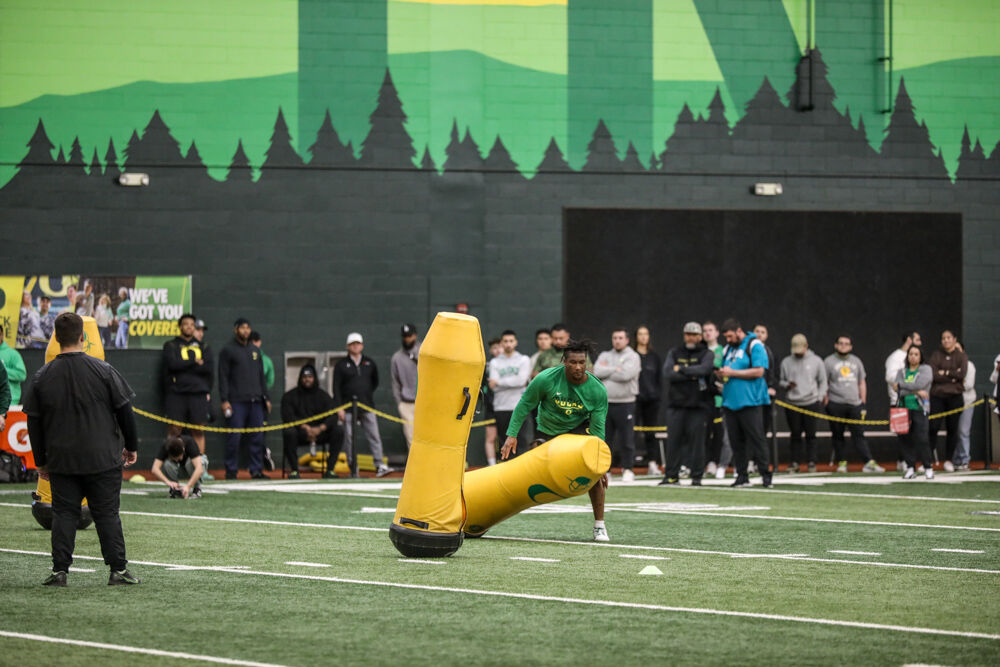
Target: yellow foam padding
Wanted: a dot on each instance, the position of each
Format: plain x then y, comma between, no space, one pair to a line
450,372
563,467
44,491
92,344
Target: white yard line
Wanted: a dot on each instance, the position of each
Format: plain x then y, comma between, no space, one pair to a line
583,601
302,563
641,557
136,649
536,560
869,495
960,551
854,553
81,569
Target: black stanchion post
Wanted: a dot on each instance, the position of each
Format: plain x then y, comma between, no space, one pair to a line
354,436
774,438
988,441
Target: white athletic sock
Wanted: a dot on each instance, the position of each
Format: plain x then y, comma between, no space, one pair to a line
491,462
598,524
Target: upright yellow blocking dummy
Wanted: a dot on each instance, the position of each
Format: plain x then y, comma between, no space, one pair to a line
430,514
92,344
563,467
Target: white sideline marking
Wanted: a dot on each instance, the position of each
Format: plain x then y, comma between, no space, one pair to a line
136,649
855,553
791,556
816,520
419,560
641,557
874,495
536,560
376,510
960,551
211,568
302,563
81,569
553,598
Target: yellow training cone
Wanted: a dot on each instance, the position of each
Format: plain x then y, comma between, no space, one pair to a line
92,344
563,467
430,514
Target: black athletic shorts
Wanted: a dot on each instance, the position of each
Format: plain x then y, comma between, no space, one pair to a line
189,408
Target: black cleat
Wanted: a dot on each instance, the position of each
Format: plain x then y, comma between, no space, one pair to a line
696,481
669,481
766,482
231,474
259,475
294,475
740,482
329,474
55,579
122,578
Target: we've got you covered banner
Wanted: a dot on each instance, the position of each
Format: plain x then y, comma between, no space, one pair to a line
138,312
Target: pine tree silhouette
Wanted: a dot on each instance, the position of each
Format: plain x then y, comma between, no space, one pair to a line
239,168
553,160
388,144
39,156
193,161
95,165
499,158
280,154
156,149
111,160
632,161
907,148
464,154
60,158
971,161
601,152
427,162
992,166
684,140
717,122
762,111
328,151
133,141
75,160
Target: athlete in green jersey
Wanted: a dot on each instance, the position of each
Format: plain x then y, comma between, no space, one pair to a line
569,400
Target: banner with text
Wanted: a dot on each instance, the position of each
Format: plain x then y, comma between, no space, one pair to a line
137,312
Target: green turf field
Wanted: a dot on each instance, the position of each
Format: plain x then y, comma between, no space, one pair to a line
303,573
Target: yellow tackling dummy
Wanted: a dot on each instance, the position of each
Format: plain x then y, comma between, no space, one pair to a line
430,514
563,467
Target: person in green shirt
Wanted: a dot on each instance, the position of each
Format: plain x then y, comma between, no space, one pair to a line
4,396
14,365
569,400
256,339
553,356
913,384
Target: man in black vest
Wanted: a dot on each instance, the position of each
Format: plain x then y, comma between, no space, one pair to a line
688,371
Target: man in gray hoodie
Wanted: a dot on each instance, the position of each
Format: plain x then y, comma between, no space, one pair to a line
619,368
803,377
404,378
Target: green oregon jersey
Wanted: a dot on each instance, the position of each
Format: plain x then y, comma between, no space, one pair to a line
562,406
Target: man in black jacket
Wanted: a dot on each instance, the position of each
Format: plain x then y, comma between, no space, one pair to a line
308,400
244,398
187,370
356,377
688,370
82,432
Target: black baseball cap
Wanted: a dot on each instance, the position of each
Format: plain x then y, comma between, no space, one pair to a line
408,330
200,324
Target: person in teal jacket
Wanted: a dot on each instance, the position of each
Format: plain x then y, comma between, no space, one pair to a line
14,365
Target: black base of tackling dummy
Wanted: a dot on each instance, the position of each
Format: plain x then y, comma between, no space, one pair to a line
43,515
420,544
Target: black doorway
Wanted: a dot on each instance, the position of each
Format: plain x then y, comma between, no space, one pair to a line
871,275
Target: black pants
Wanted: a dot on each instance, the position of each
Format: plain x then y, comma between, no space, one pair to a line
503,421
715,437
797,423
746,435
619,431
845,411
943,404
102,491
331,440
915,443
686,440
647,413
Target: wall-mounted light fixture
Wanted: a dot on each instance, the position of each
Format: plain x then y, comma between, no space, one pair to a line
767,189
133,179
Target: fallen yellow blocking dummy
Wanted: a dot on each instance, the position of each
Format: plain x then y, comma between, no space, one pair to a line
430,514
563,467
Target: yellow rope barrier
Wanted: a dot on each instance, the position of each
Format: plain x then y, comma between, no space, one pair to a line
222,429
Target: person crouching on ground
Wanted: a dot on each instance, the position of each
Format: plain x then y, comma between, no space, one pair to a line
179,458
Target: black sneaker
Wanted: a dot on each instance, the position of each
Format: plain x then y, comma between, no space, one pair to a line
176,493
231,475
766,482
268,461
122,578
696,481
55,579
294,475
259,475
740,482
195,493
669,481
329,474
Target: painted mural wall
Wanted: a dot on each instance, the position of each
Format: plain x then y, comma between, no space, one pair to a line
325,167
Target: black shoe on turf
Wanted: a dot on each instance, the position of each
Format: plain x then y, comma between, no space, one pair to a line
767,483
259,475
268,460
740,482
669,481
329,474
231,475
696,481
55,579
122,578
294,475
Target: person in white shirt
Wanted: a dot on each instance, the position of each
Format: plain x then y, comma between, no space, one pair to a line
619,369
509,374
961,458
